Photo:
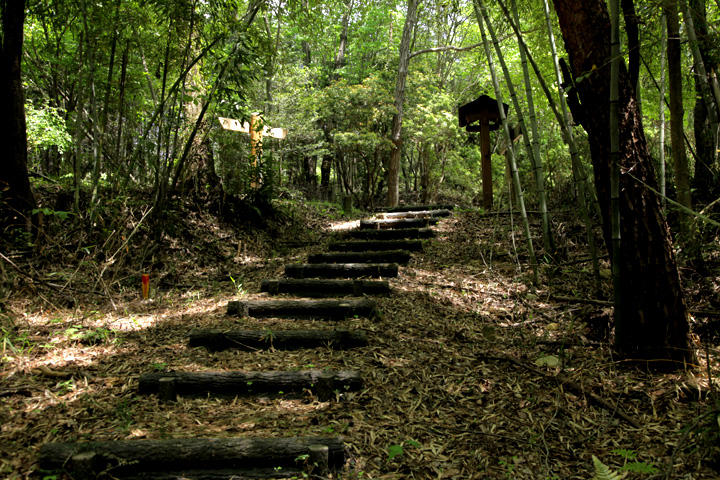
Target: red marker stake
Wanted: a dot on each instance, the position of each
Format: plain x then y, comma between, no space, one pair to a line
145,286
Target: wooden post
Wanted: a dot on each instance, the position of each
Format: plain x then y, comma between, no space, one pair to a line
256,135
486,163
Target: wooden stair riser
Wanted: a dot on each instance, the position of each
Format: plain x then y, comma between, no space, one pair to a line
377,246
414,214
253,340
324,384
400,257
191,457
325,288
320,309
403,233
397,224
341,270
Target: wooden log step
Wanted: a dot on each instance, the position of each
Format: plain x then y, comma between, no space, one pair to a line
377,245
416,208
251,340
420,214
326,309
323,383
325,288
401,257
391,234
397,223
341,270
192,457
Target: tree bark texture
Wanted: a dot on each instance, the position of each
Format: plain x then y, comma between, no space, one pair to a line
327,309
316,287
182,456
397,223
341,270
654,314
404,62
251,340
400,257
16,196
251,383
376,246
391,234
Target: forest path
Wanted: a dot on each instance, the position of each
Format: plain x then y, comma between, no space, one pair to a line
457,375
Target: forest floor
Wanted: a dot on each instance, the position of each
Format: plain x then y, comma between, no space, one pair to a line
472,371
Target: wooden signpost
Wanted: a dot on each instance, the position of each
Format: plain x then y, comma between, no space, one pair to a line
256,134
485,109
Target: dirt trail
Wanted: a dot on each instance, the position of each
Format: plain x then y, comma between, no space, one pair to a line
459,379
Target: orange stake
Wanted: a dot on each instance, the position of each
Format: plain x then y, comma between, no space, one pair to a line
145,286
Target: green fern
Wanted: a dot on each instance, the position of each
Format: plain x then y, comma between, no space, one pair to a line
603,472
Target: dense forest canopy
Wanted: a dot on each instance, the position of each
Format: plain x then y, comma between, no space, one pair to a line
122,94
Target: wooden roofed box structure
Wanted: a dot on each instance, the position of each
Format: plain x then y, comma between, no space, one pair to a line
484,110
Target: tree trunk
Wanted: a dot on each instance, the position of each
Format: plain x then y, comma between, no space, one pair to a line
677,112
404,61
654,316
16,196
706,175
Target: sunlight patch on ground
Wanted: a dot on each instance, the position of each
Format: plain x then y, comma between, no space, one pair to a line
340,226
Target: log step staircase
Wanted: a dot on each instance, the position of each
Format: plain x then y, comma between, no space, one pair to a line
373,251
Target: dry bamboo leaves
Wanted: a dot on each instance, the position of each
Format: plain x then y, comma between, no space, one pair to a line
428,397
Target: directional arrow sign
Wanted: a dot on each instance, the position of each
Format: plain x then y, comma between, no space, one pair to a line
236,126
255,134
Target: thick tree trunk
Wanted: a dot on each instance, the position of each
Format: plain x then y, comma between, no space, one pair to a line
16,196
654,316
404,61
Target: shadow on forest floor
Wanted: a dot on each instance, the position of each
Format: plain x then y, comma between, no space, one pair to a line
471,372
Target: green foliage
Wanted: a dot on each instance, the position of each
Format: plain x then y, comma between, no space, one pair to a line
46,127
603,472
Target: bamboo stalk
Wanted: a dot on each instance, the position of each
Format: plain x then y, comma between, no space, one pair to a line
663,46
548,241
481,14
